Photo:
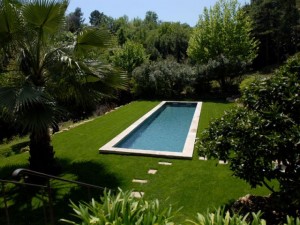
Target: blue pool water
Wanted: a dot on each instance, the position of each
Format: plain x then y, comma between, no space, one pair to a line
165,130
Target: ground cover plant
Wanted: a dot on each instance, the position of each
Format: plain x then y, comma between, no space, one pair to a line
193,184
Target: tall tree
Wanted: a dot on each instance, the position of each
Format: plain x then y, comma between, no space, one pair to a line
44,70
99,19
276,26
222,36
75,20
129,56
151,19
172,40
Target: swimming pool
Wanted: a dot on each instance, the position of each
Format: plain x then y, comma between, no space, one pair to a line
167,130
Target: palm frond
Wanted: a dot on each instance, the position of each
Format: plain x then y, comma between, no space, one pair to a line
46,16
92,38
91,72
8,98
35,109
40,116
107,77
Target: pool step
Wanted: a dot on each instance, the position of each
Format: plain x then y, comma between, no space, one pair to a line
140,181
165,163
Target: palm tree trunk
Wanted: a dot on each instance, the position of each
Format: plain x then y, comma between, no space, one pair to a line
41,153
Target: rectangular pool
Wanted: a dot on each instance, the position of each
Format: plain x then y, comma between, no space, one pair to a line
168,130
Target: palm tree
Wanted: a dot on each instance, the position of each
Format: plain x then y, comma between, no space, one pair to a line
42,69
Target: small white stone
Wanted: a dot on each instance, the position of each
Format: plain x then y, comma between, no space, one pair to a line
222,162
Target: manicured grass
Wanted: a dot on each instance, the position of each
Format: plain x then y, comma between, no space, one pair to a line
193,184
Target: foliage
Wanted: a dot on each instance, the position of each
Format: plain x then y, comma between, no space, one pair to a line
172,39
75,20
43,69
276,26
129,56
261,137
165,79
122,209
222,40
151,19
246,82
99,19
220,217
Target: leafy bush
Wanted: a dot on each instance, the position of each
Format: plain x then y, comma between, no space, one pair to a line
164,79
261,137
122,209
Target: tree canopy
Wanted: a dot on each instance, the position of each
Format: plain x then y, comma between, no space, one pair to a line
223,34
75,20
129,56
276,26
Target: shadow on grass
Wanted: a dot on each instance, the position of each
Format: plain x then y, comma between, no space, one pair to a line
26,205
20,147
15,149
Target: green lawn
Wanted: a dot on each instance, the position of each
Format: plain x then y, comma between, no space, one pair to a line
193,184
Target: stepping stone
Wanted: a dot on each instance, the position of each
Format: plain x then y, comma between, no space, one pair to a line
165,163
222,162
202,158
152,171
139,181
137,194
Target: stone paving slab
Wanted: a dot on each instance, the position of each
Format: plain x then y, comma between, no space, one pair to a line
137,194
152,171
165,163
202,158
140,181
222,162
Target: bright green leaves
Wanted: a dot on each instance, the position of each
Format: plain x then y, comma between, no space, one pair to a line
130,56
221,43
90,39
223,30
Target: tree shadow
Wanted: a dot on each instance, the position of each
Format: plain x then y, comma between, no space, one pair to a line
20,147
91,172
28,205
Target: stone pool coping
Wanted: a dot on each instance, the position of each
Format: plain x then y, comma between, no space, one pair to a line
188,146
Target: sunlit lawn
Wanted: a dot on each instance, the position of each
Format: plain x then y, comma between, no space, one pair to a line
193,184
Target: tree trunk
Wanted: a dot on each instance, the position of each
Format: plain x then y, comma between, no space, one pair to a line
41,153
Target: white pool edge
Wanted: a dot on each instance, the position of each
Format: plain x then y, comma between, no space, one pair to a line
188,146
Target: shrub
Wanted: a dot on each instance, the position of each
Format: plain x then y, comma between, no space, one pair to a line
261,137
164,79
